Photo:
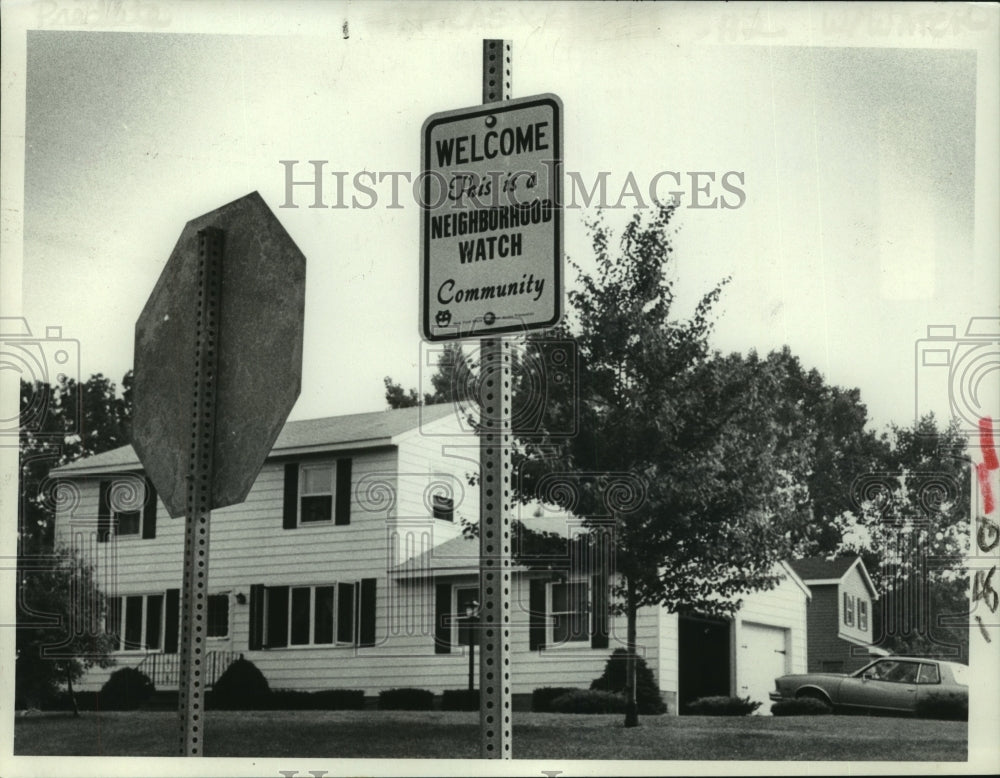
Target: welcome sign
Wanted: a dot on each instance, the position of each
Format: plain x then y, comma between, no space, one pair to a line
491,223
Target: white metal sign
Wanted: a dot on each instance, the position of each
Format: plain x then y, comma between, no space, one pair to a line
491,224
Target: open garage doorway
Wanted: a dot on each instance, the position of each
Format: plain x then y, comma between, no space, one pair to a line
703,658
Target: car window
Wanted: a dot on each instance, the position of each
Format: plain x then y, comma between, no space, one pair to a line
903,672
929,674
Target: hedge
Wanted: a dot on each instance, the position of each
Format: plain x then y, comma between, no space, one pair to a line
542,697
802,706
647,692
944,705
126,689
589,701
721,706
406,699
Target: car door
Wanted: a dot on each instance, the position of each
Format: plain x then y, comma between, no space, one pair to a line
889,684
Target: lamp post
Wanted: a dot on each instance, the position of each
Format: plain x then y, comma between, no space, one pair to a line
470,620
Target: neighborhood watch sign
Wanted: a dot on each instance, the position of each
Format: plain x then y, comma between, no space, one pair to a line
491,225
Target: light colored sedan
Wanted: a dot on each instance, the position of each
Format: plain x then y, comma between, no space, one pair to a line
895,684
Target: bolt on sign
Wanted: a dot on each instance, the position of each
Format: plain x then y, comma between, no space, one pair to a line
491,235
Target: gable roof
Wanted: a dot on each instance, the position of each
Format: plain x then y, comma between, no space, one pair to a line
816,571
334,433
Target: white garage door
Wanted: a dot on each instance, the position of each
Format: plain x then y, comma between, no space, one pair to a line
763,657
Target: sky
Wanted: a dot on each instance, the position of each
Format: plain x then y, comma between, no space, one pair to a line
857,165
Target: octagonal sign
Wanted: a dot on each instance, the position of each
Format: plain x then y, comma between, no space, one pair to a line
259,373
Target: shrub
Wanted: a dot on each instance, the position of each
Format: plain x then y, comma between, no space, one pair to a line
126,689
944,705
803,706
647,692
241,687
542,697
327,699
406,699
460,699
722,706
589,701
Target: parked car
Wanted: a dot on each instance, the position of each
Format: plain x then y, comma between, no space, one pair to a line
895,684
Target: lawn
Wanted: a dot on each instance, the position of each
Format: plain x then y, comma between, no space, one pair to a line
439,735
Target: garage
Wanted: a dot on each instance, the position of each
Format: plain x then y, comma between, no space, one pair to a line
763,656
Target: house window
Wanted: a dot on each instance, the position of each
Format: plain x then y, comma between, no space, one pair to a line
313,615
218,616
126,522
126,508
568,607
849,609
862,614
316,493
136,622
443,507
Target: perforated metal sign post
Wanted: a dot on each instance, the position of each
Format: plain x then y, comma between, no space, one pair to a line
491,229
218,366
494,494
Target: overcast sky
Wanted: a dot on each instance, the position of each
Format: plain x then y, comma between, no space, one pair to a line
858,166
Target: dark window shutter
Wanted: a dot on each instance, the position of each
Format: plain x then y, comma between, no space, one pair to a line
536,614
291,509
277,617
149,512
104,512
256,641
173,619
366,628
442,610
342,513
599,611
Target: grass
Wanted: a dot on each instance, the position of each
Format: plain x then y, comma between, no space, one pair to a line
441,735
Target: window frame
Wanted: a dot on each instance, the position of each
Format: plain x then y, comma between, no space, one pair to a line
862,613
937,674
584,612
304,468
227,597
354,587
123,624
848,609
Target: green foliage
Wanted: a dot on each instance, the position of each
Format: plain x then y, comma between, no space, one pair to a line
542,697
453,380
914,507
460,699
59,629
647,692
291,699
241,687
944,705
721,706
803,706
126,689
589,701
406,698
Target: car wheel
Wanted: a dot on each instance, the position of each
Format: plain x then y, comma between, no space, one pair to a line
812,694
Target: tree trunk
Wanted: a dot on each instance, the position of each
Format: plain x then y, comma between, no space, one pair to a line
72,694
631,706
